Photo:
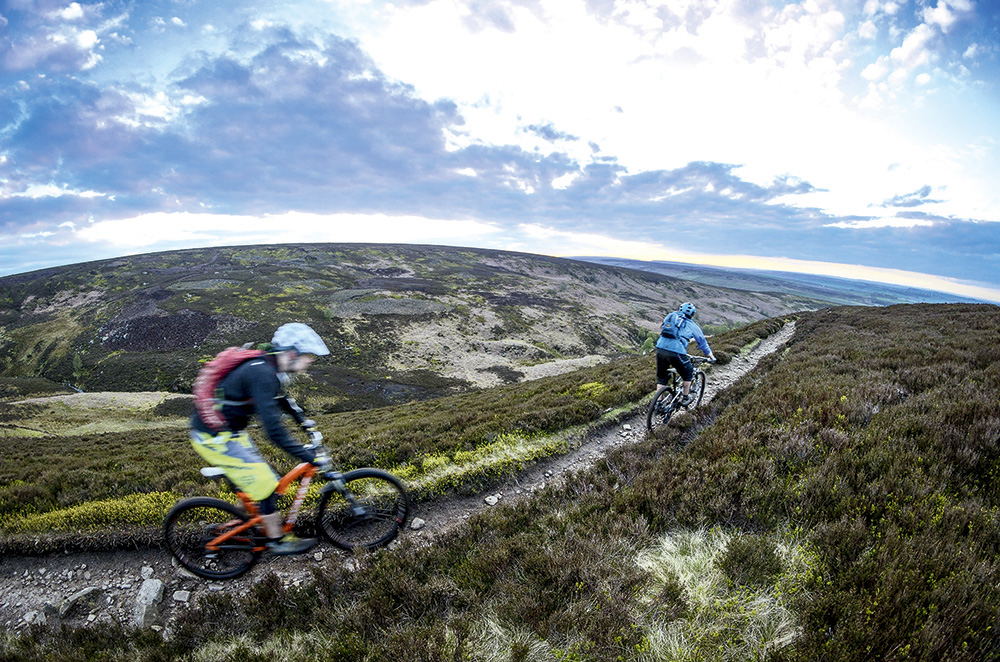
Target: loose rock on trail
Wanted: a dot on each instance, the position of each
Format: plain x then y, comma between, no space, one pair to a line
146,588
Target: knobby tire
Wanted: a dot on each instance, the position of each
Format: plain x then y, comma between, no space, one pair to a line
660,409
193,523
382,498
697,388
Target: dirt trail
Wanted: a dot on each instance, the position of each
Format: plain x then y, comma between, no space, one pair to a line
32,589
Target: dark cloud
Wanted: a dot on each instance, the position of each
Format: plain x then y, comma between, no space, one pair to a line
549,132
915,199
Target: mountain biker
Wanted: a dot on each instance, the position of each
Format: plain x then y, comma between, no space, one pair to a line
255,388
676,332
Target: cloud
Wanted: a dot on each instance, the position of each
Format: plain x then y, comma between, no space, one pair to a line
705,116
207,229
948,12
915,199
57,39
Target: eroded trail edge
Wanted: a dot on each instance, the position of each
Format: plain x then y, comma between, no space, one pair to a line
145,588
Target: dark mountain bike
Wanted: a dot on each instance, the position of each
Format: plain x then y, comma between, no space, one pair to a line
216,539
668,401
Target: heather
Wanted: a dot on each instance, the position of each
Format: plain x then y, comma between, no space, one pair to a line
837,503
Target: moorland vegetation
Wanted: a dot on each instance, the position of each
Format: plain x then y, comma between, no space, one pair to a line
403,322
838,503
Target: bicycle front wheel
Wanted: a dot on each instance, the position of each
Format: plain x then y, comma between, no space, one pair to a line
367,513
661,408
697,388
194,524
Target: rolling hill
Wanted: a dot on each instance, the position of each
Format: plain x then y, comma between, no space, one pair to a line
403,322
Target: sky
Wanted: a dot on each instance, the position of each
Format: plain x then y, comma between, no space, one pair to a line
853,138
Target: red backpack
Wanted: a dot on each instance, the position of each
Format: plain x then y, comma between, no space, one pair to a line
208,398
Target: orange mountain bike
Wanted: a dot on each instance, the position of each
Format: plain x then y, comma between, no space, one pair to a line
216,539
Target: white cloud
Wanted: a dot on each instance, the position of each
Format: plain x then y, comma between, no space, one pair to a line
868,30
36,191
565,181
973,51
893,222
659,94
913,51
221,229
947,12
71,12
876,70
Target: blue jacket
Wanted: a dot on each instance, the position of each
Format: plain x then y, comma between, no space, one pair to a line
686,330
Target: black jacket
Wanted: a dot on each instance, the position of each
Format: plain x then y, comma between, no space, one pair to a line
253,389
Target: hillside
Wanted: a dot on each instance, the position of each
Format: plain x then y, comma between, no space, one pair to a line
837,502
403,322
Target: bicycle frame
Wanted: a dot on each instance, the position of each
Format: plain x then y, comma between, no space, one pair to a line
304,472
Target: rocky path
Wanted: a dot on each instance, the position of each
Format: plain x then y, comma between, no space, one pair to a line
144,587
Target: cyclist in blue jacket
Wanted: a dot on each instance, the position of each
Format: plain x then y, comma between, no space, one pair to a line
676,333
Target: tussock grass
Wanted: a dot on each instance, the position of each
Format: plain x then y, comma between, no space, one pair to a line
492,640
725,618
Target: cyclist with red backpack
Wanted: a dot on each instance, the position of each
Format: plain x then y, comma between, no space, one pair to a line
240,383
676,333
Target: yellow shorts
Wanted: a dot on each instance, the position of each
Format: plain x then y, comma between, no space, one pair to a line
237,455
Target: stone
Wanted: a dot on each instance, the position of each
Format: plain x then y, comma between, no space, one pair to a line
182,596
150,594
34,618
417,523
87,596
146,572
491,500
318,556
184,573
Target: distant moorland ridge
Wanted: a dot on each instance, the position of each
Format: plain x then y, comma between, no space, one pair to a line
403,322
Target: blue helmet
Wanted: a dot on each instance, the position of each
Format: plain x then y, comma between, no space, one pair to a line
688,310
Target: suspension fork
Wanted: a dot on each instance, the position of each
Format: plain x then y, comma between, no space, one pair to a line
338,484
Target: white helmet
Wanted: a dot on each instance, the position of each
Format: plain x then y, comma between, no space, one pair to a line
300,337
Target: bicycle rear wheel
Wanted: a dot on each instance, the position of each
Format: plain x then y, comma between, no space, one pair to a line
697,388
194,523
661,408
368,513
